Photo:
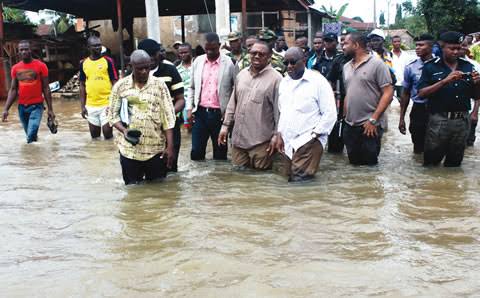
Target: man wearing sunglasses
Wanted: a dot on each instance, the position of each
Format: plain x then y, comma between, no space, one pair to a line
253,107
307,115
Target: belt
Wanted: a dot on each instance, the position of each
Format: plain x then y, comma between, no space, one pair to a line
208,110
454,115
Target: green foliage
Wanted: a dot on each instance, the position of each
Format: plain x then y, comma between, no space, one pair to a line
458,15
381,19
333,12
62,21
15,15
398,14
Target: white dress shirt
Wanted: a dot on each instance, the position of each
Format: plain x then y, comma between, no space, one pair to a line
306,106
399,63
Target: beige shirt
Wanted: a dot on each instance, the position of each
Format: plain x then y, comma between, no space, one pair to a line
151,111
253,107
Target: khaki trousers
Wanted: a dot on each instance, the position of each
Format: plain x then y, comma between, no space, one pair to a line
305,161
255,158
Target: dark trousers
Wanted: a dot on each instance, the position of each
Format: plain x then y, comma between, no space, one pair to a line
418,126
361,149
335,139
471,135
207,125
31,117
177,141
136,171
445,138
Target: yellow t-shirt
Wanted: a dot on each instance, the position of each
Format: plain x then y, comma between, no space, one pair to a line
98,76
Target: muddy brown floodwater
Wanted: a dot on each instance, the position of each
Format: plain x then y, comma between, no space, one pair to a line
70,228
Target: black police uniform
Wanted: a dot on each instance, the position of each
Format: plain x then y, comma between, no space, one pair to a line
449,120
335,77
324,64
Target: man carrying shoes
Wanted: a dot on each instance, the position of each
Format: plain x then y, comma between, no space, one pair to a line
143,153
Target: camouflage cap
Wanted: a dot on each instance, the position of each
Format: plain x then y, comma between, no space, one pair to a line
234,36
266,35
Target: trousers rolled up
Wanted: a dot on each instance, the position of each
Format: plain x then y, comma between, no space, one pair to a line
30,117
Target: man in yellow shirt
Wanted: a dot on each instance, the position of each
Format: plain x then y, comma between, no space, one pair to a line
97,76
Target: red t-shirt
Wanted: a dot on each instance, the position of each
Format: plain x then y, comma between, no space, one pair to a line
29,76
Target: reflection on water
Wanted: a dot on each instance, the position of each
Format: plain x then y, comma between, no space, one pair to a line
71,228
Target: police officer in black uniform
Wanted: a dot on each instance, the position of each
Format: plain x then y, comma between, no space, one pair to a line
335,77
323,64
448,82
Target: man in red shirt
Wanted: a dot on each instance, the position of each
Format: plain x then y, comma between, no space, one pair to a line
30,85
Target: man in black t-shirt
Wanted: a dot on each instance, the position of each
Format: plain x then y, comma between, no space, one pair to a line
169,74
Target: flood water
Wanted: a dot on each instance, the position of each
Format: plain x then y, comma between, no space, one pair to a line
70,228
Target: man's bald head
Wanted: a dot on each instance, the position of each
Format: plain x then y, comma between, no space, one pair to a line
139,57
295,52
141,63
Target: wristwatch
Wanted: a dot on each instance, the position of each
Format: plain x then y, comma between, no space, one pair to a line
373,121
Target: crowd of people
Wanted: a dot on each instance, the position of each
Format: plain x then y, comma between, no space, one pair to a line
269,99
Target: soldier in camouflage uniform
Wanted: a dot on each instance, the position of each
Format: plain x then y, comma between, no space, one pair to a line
244,62
237,52
269,37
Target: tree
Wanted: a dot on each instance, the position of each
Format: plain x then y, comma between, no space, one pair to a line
15,15
398,14
333,12
381,19
458,15
60,20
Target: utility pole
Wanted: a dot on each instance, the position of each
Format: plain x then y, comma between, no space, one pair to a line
375,13
222,18
153,20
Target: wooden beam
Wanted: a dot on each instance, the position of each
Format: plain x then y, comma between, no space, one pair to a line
120,37
244,18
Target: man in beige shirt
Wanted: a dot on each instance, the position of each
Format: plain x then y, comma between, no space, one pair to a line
253,108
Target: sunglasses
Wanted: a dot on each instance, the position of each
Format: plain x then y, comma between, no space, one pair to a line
259,54
290,62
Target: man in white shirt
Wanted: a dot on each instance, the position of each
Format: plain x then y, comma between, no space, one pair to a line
400,59
307,115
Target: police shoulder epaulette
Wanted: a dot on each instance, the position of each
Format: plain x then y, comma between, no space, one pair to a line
411,62
434,60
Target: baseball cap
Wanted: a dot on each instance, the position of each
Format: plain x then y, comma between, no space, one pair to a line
330,36
377,32
150,46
